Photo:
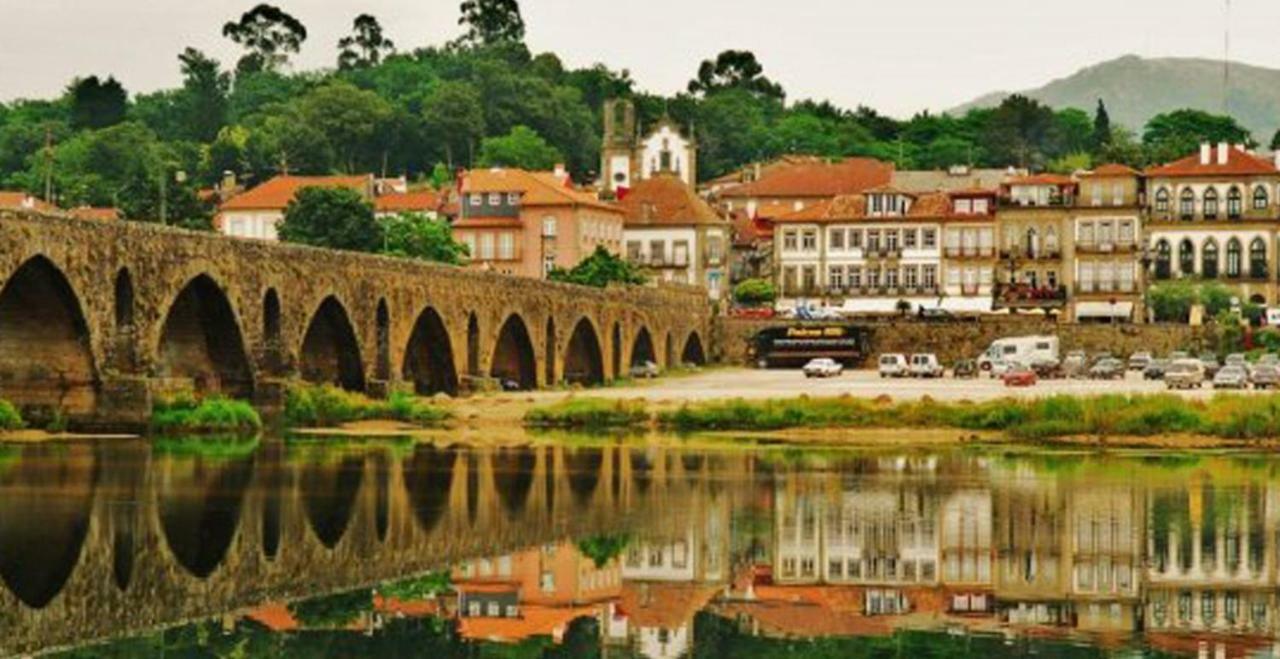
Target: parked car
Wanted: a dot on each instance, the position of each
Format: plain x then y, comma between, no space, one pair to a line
1231,376
1155,369
646,371
1076,365
926,365
894,366
1269,359
1235,359
1265,376
965,369
936,315
1047,369
823,368
1211,365
1138,361
1019,376
510,385
999,367
1185,374
1108,368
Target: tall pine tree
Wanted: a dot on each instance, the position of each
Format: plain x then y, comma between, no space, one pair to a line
1101,127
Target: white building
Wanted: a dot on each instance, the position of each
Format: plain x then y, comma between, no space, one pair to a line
672,231
627,157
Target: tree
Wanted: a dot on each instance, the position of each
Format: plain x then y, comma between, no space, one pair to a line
1176,134
413,235
337,218
522,148
204,101
1275,141
1101,127
350,119
284,143
599,270
366,46
269,34
1018,131
454,117
1123,148
734,69
602,549
755,293
491,22
97,103
1071,163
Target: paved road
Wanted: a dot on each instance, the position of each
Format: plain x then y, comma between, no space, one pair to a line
745,383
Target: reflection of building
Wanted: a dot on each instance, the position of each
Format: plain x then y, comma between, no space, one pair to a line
1106,552
1032,566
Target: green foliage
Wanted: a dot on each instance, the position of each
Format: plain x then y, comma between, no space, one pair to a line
1171,301
412,235
10,418
332,611
269,34
1176,134
735,69
97,103
187,415
337,218
491,22
366,46
1215,297
323,406
418,588
1072,163
602,549
600,269
455,112
522,148
589,414
755,293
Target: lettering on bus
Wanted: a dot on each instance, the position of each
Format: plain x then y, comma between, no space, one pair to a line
815,332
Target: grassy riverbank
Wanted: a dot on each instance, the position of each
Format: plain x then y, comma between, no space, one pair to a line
186,415
326,406
10,418
1229,417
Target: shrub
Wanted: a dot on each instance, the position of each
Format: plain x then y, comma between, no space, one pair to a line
319,406
590,414
755,293
215,415
10,418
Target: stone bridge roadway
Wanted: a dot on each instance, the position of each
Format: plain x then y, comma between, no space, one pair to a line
103,540
97,318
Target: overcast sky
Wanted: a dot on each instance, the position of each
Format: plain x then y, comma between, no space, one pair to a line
899,56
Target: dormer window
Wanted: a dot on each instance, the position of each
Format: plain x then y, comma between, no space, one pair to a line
513,198
477,199
981,207
495,198
964,207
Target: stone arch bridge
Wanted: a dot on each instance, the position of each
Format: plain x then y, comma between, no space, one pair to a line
98,318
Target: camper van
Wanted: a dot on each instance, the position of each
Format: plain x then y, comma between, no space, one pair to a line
1026,350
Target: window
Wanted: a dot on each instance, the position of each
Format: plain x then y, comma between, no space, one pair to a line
835,277
486,246
1127,236
891,278
891,240
1162,200
1086,277
1086,234
964,207
1187,204
809,240
1260,198
506,246
836,238
1233,258
1211,204
1164,260
1117,194
495,198
873,277
548,264
873,241
548,227
1209,260
513,198
680,252
548,581
789,240
1235,203
634,251
1258,259
657,252
855,277
855,238
909,238
929,276
477,200
911,276
715,249
789,279
929,238
810,275
1096,190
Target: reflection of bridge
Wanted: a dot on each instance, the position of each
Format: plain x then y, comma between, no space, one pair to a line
100,541
95,317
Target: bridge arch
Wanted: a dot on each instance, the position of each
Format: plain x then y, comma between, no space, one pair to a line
330,352
46,359
428,358
583,358
693,353
124,301
201,341
642,349
513,357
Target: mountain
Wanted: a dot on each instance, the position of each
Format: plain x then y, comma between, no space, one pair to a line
1136,89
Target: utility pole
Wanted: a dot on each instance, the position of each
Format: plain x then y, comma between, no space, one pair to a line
48,165
164,185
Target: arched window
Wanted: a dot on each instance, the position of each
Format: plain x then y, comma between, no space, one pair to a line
1162,200
1260,198
1164,260
1258,259
1186,258
1235,203
1233,258
1211,204
1033,243
1209,259
1051,239
1187,204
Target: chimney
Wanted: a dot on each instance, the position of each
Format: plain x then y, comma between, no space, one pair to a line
561,174
1206,153
1224,152
1276,157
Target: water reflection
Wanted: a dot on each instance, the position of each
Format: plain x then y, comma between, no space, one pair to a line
653,551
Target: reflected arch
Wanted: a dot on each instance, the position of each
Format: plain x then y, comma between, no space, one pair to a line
200,502
330,351
513,476
329,493
428,478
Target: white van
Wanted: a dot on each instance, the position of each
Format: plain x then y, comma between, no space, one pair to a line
1022,350
926,366
894,366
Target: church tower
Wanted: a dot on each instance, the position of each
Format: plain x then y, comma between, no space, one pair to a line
618,153
627,157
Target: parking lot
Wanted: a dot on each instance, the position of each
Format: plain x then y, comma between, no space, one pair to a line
755,384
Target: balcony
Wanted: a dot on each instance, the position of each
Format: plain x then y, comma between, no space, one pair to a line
883,252
1027,297
1031,255
1106,246
1106,286
970,252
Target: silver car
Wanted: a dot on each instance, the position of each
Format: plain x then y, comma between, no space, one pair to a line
1231,376
1265,376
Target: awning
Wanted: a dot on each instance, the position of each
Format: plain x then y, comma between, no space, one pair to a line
1104,310
963,304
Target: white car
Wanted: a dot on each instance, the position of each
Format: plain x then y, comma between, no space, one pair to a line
926,366
823,368
894,366
1001,366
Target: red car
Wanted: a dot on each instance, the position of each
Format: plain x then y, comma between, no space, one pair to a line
1020,376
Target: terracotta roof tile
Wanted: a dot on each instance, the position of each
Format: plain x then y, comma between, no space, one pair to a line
276,193
99,214
666,200
407,202
22,201
535,188
1042,179
1239,163
534,620
817,179
664,605
1112,170
853,208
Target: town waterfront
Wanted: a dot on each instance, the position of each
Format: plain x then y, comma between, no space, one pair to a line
560,545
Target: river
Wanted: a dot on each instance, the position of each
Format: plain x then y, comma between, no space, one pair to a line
565,546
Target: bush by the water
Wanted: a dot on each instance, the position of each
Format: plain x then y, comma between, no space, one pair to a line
187,415
589,414
320,406
10,418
